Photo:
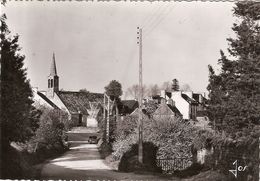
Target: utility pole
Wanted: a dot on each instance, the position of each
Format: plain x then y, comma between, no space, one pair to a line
108,115
140,120
106,107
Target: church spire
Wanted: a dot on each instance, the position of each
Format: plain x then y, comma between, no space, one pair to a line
53,79
53,70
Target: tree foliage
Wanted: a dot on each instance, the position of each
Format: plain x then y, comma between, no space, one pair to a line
52,127
133,91
153,90
166,86
173,137
175,85
185,87
18,118
84,90
114,89
235,92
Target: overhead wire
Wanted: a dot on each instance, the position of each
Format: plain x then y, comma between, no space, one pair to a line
159,21
157,17
149,18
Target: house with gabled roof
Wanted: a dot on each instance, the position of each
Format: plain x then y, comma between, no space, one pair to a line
84,108
126,107
165,110
184,102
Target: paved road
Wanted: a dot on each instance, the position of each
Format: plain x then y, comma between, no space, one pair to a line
83,162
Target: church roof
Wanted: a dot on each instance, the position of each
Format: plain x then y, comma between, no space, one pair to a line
80,101
47,100
53,70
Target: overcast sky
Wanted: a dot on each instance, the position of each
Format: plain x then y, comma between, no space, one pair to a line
95,42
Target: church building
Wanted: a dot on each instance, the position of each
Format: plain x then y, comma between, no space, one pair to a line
84,108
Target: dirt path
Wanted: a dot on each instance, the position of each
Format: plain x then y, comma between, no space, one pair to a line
83,162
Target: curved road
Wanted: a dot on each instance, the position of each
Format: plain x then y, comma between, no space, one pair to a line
83,162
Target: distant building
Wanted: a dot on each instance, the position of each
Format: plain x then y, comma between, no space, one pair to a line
184,102
126,107
165,110
84,108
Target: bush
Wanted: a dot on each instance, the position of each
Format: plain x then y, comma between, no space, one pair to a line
173,137
105,149
122,145
129,161
50,136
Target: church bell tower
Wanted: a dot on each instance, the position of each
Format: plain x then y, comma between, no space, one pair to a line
53,79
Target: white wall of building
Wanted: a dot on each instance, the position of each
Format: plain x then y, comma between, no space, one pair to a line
182,105
38,100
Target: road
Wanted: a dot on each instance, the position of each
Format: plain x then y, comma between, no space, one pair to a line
83,162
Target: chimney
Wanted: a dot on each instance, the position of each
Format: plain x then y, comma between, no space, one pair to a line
171,102
35,89
163,94
163,101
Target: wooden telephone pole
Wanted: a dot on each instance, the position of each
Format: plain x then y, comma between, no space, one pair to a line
140,97
107,107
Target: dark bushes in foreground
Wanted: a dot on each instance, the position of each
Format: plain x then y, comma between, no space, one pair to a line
129,161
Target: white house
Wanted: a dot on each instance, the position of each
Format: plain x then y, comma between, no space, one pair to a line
183,102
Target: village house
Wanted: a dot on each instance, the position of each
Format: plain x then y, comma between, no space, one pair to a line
165,110
84,108
126,107
184,102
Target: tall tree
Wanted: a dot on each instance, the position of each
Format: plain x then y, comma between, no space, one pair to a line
166,86
18,118
153,90
114,89
134,91
235,92
175,85
185,87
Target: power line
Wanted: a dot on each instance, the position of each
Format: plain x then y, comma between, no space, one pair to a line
156,17
159,21
149,18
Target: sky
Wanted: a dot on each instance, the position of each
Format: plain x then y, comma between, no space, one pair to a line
96,42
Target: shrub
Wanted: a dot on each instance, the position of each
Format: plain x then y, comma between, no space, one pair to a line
129,161
173,137
122,145
50,136
105,149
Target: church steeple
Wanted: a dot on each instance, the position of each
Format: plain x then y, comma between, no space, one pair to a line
53,79
53,71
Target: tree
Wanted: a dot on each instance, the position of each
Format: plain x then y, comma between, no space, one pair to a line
18,118
185,87
84,90
175,85
153,90
166,86
134,91
114,89
235,92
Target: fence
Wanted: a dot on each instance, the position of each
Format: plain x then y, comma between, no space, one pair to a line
169,165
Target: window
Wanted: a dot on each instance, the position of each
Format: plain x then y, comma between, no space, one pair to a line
51,83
